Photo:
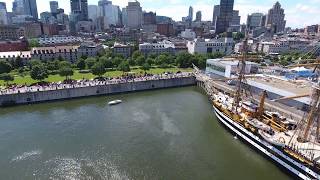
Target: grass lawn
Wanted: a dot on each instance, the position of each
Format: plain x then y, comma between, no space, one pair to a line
78,76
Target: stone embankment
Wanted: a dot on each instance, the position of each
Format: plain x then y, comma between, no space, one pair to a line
28,95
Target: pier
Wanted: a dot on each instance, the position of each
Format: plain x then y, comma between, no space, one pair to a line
87,88
211,87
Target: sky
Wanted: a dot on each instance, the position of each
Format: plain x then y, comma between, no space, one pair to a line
299,13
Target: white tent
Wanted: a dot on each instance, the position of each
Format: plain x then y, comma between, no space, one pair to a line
299,69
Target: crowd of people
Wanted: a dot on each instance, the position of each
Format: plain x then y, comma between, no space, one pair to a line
16,89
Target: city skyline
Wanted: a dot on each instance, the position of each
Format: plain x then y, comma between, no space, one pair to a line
298,14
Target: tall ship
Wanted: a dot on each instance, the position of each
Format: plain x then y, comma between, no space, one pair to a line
293,146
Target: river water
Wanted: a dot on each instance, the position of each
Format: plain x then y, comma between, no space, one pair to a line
165,134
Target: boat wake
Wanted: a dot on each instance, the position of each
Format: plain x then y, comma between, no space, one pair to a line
26,155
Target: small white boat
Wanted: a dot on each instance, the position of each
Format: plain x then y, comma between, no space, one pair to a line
111,103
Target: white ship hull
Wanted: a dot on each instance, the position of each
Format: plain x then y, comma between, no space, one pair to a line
267,149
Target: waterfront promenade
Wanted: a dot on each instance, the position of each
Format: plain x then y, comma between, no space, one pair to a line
85,88
88,83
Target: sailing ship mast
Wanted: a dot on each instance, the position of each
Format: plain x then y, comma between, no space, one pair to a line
313,118
241,75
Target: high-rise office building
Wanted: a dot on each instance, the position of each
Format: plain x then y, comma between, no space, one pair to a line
93,12
25,7
18,7
79,9
224,19
124,17
31,8
190,16
198,16
101,5
54,6
275,18
235,22
3,14
216,13
255,20
134,15
110,13
149,18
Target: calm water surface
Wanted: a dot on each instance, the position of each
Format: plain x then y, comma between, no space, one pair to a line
167,134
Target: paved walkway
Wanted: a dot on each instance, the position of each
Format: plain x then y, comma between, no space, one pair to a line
89,83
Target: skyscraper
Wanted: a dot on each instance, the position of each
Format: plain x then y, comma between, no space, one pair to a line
198,16
124,17
255,20
149,18
31,8
93,12
54,6
79,9
134,13
101,5
190,16
3,14
275,18
216,13
110,13
224,19
18,7
25,7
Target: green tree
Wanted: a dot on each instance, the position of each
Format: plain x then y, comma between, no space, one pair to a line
161,59
18,63
215,55
108,53
39,72
63,64
140,60
117,61
66,72
5,67
53,65
81,64
34,62
184,60
164,59
284,62
101,53
98,69
146,67
124,67
6,77
106,61
201,61
132,62
150,61
90,62
136,54
238,36
65,69
33,43
152,55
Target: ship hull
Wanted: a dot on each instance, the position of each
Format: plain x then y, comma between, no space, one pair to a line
293,167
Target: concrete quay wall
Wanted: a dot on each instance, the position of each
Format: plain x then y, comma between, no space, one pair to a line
60,94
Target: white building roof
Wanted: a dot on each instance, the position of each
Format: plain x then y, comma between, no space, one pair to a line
230,62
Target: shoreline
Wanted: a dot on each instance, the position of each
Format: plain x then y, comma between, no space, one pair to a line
94,88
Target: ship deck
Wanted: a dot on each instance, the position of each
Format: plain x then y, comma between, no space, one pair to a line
311,150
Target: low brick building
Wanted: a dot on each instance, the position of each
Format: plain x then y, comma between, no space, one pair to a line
8,46
70,53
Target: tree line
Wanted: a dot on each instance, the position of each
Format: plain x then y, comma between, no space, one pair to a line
98,66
